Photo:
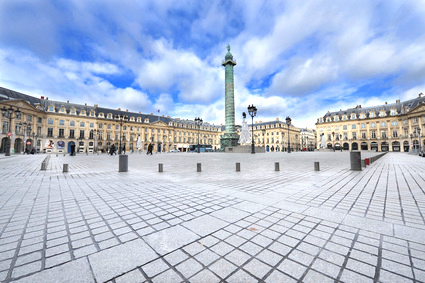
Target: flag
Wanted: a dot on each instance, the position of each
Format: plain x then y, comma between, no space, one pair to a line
157,110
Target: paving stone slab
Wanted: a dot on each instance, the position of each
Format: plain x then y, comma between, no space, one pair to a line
115,261
205,225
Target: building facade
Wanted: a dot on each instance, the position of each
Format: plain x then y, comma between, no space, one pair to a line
273,136
308,139
390,127
54,126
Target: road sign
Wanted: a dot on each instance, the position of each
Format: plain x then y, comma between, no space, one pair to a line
9,134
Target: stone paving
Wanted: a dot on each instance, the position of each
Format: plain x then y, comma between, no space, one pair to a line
94,224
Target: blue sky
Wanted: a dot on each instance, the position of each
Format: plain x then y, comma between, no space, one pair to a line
294,58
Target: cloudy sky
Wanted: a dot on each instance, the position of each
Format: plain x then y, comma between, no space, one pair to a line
294,58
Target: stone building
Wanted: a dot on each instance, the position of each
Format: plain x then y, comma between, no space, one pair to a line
55,126
308,139
273,135
390,127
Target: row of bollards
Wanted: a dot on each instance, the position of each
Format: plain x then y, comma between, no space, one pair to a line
45,163
238,167
357,163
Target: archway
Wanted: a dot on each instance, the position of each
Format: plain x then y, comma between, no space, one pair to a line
70,144
18,146
277,148
345,146
384,146
337,146
354,146
272,148
396,146
364,146
329,146
267,148
374,146
3,145
406,146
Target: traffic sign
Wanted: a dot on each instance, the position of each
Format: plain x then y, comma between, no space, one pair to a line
9,134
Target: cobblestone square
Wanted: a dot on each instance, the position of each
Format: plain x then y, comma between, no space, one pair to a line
95,224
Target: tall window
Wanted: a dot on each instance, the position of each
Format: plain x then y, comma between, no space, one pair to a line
82,124
353,127
394,123
72,123
29,118
61,122
50,121
354,134
81,133
395,134
363,135
373,134
50,132
372,115
384,134
71,134
61,133
91,125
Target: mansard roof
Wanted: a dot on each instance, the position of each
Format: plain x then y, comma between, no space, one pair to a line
401,107
7,94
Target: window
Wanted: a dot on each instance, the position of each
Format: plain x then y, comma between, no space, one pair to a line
321,129
81,133
328,129
109,126
415,120
50,132
125,128
372,125
393,112
394,123
405,122
395,134
383,124
71,134
82,124
363,135
362,116
51,108
344,118
61,122
336,118
91,125
72,123
336,128
73,111
353,127
353,116
363,126
39,120
384,134
61,133
373,133
62,110
344,127
39,131
100,126
345,136
5,127
354,134
29,118
117,127
382,114
372,115
50,121
108,135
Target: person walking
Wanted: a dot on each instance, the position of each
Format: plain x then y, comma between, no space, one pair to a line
123,148
150,148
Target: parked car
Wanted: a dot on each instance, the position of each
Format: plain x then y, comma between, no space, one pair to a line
174,150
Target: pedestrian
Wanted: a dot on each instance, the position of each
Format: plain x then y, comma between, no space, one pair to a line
123,149
112,150
150,148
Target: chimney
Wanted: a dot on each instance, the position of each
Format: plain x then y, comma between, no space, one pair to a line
140,112
162,115
47,98
277,119
126,110
151,113
420,94
42,97
96,105
385,103
397,101
85,104
119,109
67,101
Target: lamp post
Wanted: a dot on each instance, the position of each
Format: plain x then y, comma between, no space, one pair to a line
95,134
333,140
252,110
198,123
8,112
27,130
121,120
288,123
264,138
418,132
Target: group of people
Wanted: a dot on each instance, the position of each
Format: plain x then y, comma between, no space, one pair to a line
27,151
113,150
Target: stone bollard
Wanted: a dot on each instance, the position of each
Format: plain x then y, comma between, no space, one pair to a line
65,168
316,166
44,165
198,167
123,163
363,162
276,166
238,167
160,167
355,160
56,155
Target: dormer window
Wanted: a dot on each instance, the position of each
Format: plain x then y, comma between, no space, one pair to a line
372,114
353,116
362,116
73,111
91,113
328,119
336,118
140,120
62,110
393,112
109,116
51,108
382,114
146,120
83,112
344,118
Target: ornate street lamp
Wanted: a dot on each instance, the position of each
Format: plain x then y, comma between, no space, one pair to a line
333,139
288,123
8,112
198,123
264,138
252,110
418,130
121,120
